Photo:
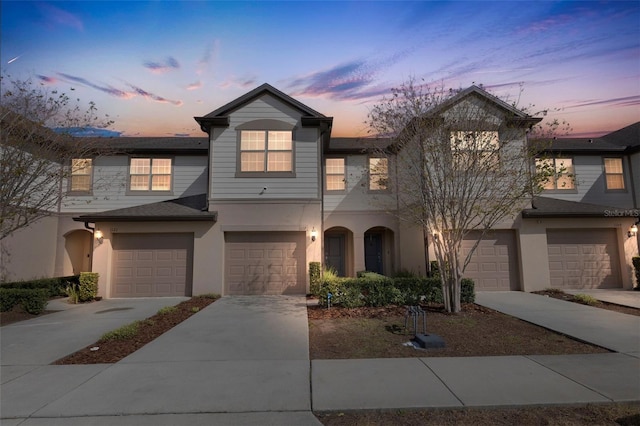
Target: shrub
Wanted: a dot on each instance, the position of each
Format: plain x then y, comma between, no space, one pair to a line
56,286
314,278
33,300
88,286
378,290
125,332
404,273
72,291
636,266
167,310
585,299
213,296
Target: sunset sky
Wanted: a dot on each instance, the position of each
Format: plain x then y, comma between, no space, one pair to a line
153,66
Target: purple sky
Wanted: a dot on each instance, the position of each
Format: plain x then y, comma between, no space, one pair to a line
152,66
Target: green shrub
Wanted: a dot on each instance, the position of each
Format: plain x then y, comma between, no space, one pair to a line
404,273
36,302
377,290
125,332
167,310
314,278
636,266
56,286
33,300
72,291
88,286
213,296
585,299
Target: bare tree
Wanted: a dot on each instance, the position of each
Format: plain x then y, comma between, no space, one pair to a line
462,164
35,159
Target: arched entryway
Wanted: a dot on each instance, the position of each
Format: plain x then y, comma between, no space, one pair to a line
378,250
77,244
338,250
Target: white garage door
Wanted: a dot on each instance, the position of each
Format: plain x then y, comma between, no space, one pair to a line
494,264
265,263
583,258
152,265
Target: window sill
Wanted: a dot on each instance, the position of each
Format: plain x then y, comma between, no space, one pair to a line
265,175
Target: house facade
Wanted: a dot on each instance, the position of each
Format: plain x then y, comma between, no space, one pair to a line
245,209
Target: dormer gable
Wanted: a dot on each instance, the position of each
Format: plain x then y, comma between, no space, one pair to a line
220,116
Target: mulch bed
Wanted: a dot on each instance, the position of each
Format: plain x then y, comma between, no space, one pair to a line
149,329
340,333
599,304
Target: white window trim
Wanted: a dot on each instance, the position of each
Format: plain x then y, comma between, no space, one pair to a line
150,191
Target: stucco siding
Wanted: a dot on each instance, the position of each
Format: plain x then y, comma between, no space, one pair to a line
110,180
225,185
357,196
30,252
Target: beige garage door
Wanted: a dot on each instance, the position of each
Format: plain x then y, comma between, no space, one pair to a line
152,265
265,263
583,258
494,264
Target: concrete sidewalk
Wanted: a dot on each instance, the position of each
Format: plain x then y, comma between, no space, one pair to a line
245,361
497,381
242,360
612,330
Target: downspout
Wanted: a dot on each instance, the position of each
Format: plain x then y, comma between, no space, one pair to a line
86,225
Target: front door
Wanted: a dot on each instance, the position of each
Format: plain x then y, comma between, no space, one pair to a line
334,253
373,252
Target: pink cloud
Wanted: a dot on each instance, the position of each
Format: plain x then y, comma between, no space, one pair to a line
58,16
194,86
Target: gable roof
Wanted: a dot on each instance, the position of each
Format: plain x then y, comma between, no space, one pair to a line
556,208
220,116
622,141
192,208
474,90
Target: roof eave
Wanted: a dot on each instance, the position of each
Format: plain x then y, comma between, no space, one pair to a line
195,218
206,123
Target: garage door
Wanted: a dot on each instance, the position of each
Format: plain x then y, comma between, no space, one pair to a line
583,258
494,264
152,265
265,263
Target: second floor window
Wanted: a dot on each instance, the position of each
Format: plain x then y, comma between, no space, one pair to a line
335,174
378,174
266,151
473,149
614,176
81,174
561,170
150,174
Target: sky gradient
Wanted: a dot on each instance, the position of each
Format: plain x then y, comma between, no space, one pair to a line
153,66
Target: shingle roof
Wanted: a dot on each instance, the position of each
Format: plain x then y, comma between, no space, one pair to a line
356,145
259,91
156,144
625,140
192,208
553,207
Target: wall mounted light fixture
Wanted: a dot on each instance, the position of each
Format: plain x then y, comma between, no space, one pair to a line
314,234
633,231
99,236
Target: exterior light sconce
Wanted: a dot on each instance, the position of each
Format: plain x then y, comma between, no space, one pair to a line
314,234
99,236
633,231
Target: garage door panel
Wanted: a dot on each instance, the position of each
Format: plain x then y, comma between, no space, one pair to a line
494,264
152,265
265,263
583,258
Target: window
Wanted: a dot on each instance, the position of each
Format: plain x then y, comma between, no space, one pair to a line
474,148
81,173
335,174
150,174
266,151
378,174
614,177
561,170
